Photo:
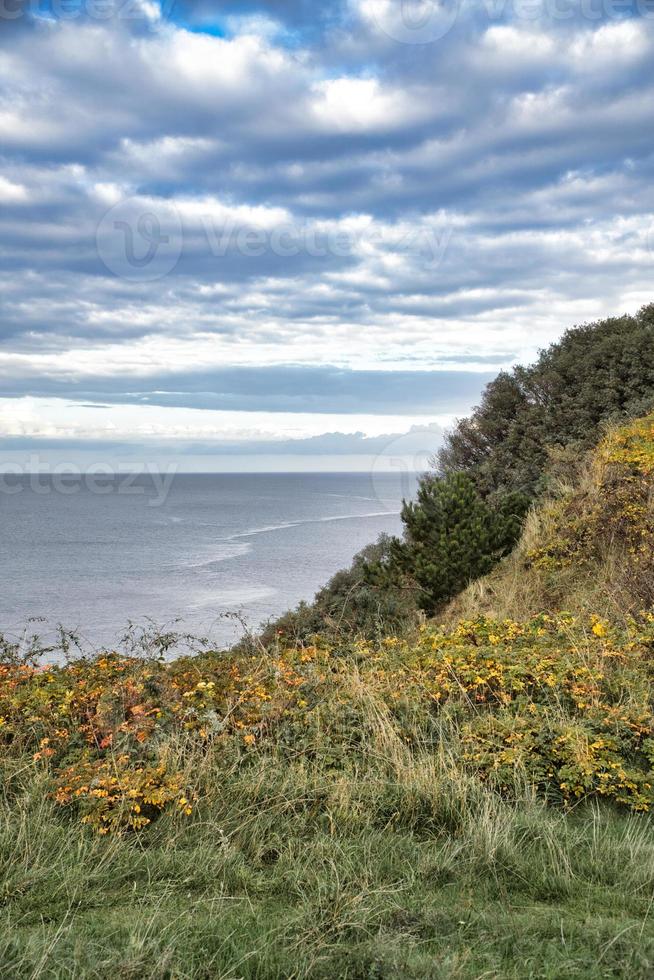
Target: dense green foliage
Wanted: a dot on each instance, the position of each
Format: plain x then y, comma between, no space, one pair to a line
451,536
596,373
458,528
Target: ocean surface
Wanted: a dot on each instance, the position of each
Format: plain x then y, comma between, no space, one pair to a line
93,555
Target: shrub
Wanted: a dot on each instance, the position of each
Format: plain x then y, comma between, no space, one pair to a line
451,536
563,704
352,602
113,794
596,373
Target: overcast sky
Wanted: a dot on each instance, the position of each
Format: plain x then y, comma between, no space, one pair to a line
304,235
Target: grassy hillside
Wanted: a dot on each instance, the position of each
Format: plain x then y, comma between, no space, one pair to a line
470,799
589,547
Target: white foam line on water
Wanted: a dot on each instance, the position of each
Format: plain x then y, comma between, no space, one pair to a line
235,551
346,496
315,520
238,550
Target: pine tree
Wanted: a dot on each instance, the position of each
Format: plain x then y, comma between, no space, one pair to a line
451,537
596,373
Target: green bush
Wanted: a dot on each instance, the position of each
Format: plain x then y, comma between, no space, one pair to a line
352,602
596,373
451,536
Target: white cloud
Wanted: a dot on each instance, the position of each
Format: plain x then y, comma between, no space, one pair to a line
611,46
517,46
420,205
60,419
11,193
363,104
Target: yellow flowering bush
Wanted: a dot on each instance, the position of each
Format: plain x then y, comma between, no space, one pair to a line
565,704
616,509
115,794
98,726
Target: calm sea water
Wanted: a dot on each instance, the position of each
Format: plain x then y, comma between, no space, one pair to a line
255,544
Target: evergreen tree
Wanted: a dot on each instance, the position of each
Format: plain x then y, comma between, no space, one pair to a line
469,514
451,537
596,373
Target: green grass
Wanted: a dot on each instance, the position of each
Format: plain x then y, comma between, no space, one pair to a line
401,869
333,811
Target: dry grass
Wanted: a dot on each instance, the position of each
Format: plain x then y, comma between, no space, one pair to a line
361,811
401,867
592,502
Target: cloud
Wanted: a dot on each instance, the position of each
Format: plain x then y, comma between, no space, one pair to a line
11,193
38,433
288,388
420,442
283,207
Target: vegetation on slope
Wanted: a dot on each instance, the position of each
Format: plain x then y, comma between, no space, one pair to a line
451,536
467,797
589,547
531,424
560,705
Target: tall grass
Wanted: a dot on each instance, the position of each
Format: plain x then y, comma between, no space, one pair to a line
588,547
353,809
402,867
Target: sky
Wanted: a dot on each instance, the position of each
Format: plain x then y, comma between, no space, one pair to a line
297,235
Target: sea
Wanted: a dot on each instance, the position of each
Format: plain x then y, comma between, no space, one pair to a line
211,555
